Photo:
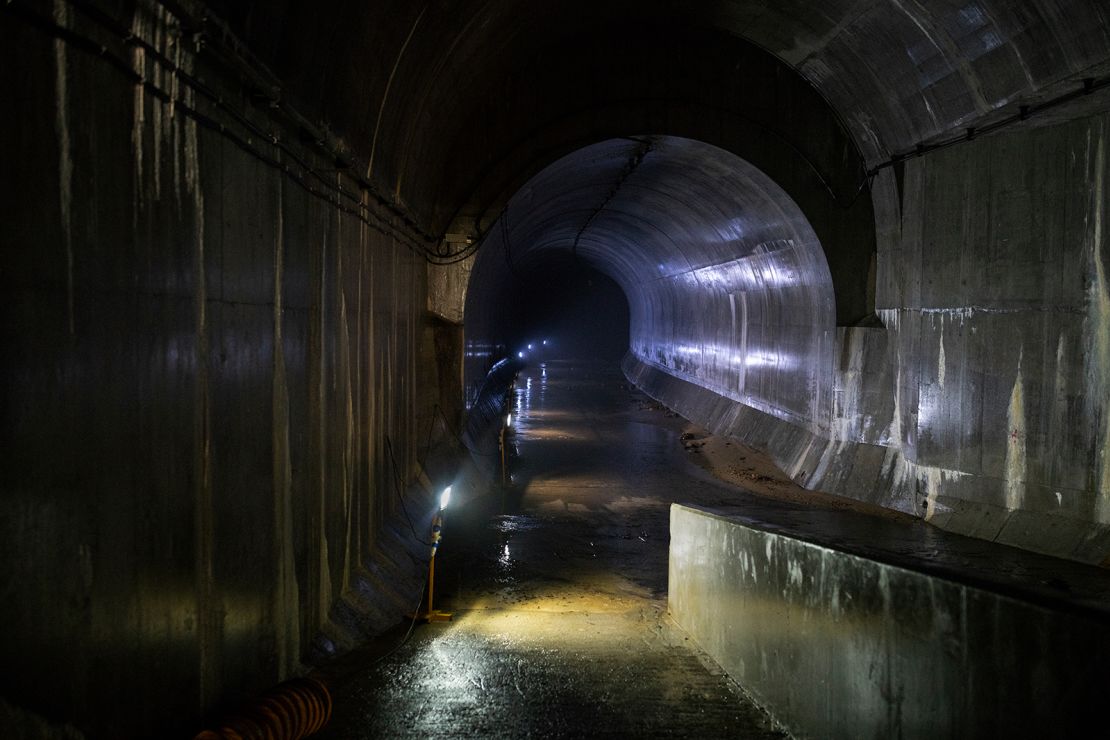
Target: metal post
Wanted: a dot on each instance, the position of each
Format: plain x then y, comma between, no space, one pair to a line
431,614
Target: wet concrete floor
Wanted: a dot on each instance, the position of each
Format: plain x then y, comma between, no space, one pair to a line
559,591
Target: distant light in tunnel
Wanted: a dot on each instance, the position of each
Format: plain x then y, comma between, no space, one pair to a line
520,355
530,346
545,343
509,420
445,498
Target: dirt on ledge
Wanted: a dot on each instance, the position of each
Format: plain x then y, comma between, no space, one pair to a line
736,463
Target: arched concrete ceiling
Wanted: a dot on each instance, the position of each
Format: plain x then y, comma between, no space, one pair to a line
726,282
455,104
898,71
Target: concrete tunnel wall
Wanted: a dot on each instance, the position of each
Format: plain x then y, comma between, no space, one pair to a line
996,303
205,358
205,363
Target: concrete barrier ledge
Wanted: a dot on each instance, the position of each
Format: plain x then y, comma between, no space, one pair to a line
837,645
879,475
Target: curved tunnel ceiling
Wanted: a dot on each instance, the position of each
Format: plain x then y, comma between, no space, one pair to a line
726,281
437,94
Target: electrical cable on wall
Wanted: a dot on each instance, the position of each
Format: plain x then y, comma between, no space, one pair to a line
458,438
437,414
314,180
308,178
503,220
399,489
634,162
1089,85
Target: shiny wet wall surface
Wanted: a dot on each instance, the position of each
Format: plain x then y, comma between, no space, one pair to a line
560,627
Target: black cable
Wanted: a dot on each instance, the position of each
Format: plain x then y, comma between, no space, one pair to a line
434,256
109,23
1025,112
460,256
450,430
347,673
865,185
399,488
460,440
408,632
632,165
428,440
447,423
503,220
91,47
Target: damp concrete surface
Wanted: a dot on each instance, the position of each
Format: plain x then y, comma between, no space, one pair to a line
558,588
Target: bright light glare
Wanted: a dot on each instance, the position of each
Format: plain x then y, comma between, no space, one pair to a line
545,343
509,420
529,346
520,355
445,497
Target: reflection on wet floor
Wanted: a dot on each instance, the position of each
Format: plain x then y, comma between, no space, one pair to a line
559,600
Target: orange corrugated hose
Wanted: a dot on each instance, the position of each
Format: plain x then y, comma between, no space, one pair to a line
289,711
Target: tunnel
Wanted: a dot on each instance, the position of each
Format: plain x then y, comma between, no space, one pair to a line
277,274
726,282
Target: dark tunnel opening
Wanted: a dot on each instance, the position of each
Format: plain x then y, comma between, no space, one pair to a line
560,307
